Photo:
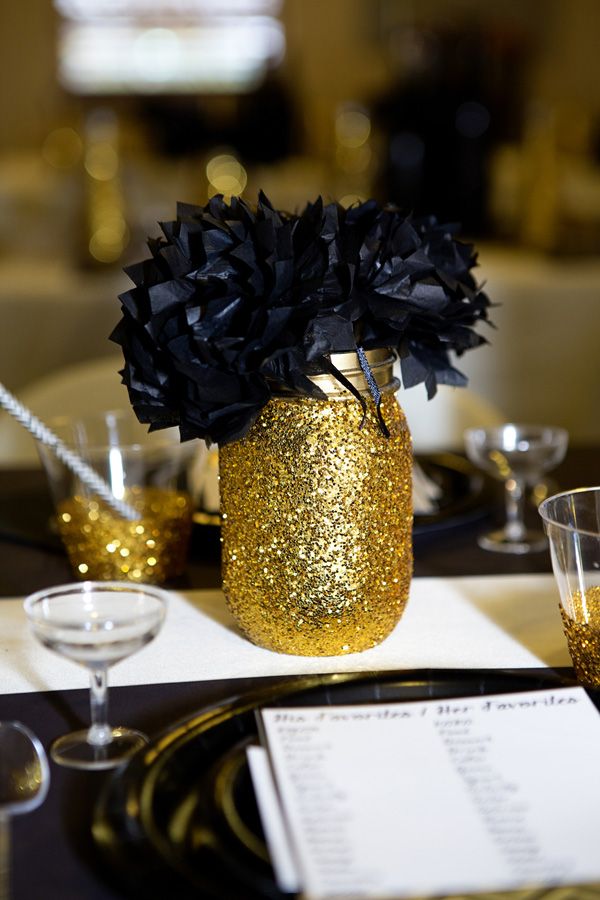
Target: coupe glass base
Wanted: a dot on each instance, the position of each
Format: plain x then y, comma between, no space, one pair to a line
500,542
75,751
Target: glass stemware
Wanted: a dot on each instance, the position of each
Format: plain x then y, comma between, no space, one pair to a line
572,522
96,624
136,529
517,455
24,783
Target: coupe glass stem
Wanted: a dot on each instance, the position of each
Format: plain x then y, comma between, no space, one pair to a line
100,732
515,509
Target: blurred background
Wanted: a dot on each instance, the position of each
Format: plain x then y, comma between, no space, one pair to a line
483,113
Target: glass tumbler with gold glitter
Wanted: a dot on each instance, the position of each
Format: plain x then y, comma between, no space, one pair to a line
572,523
145,471
316,506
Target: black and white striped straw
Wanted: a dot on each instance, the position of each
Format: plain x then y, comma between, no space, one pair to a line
73,462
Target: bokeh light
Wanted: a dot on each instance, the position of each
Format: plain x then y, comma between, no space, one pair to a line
62,148
472,119
102,161
353,161
226,175
352,127
350,199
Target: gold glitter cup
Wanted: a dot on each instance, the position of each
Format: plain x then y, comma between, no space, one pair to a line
147,473
316,507
572,523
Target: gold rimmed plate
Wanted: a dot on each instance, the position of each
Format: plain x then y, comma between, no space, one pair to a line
180,820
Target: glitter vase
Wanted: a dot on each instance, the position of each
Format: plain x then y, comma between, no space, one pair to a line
317,518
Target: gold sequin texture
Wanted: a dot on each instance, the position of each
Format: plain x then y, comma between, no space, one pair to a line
317,525
103,546
583,635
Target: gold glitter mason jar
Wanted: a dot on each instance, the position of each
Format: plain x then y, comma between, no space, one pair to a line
317,517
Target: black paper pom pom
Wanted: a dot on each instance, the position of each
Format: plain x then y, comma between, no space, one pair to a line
236,304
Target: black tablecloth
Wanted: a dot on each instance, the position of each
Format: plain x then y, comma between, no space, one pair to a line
53,854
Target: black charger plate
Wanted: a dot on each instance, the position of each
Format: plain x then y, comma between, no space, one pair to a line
466,494
180,820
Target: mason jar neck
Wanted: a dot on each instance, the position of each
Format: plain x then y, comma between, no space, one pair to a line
380,362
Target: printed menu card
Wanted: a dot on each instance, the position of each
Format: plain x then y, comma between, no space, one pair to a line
439,797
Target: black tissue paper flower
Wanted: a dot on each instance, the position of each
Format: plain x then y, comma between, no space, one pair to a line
237,304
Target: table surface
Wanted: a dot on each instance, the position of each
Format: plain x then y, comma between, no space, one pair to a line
53,852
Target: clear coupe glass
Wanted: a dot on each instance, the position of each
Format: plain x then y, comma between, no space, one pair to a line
96,624
517,455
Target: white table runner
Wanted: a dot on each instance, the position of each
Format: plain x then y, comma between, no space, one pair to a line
476,622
